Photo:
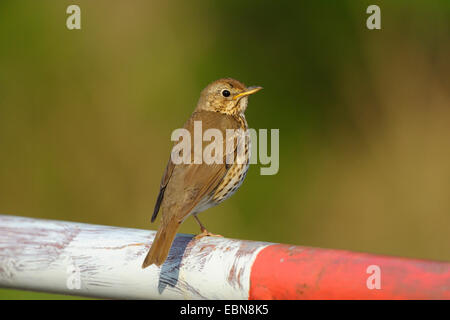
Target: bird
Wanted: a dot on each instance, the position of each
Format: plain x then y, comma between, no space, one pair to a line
187,189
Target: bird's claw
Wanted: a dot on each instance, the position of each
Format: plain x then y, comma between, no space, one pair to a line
206,233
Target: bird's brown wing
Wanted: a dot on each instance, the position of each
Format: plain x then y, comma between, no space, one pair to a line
162,187
183,186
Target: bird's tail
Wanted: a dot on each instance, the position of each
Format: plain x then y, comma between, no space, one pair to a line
161,244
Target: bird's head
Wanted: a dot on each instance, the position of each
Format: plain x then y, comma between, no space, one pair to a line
226,96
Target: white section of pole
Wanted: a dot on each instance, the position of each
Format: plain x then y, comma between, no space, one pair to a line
105,262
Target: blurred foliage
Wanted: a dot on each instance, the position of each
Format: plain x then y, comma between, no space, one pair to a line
364,116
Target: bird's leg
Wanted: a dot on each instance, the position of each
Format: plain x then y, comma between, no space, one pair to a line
205,233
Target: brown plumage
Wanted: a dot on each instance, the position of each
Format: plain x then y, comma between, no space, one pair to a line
187,189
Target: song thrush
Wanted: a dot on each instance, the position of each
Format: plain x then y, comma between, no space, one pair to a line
189,188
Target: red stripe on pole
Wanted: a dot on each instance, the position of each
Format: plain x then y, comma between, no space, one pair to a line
293,272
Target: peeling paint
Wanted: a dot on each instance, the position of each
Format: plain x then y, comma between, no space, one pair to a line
294,272
36,254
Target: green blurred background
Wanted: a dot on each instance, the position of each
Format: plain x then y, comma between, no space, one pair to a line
364,116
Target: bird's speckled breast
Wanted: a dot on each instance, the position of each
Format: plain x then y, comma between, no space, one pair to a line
238,170
231,183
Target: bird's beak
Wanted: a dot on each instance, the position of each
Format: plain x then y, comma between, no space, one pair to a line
249,91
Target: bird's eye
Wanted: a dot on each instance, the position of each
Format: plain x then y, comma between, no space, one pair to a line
226,93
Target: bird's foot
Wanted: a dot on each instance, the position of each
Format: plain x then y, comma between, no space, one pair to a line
206,233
